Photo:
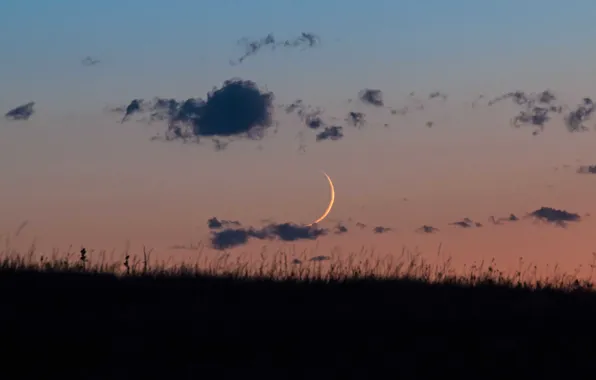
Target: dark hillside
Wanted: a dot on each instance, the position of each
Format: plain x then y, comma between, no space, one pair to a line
92,326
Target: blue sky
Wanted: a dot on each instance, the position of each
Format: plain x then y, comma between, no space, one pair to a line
182,47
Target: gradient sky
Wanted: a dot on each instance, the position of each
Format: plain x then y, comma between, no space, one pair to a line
80,177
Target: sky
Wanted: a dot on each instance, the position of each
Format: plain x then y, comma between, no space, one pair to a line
79,176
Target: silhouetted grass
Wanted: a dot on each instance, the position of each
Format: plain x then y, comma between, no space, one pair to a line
79,314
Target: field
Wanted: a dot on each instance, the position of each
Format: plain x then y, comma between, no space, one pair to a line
74,315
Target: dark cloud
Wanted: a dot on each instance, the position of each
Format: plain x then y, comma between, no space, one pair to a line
437,94
418,104
228,234
587,169
522,98
232,237
253,47
536,116
574,120
461,223
298,106
427,229
381,229
90,61
357,119
23,112
552,215
331,133
237,109
372,97
164,109
135,106
241,110
214,223
340,229
314,122
537,109
510,218
292,232
305,40
311,116
466,223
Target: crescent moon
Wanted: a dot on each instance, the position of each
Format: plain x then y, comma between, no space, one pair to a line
330,206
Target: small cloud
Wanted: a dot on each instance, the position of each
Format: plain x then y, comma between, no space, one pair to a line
555,216
22,112
372,97
135,106
305,40
314,122
381,229
574,120
214,223
466,223
536,108
357,119
437,94
232,237
311,116
510,218
330,133
89,61
587,169
292,232
427,229
340,229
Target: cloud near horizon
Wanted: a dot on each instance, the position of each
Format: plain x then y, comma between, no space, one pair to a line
232,237
229,233
554,216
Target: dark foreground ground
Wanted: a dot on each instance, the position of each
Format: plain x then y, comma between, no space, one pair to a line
87,326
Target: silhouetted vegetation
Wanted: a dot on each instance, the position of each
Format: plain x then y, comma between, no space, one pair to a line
286,316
